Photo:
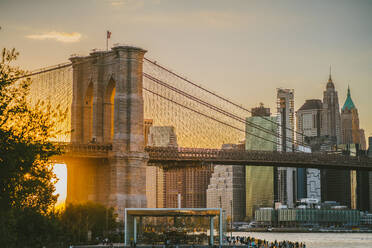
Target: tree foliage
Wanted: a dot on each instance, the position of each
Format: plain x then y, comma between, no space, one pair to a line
79,219
26,177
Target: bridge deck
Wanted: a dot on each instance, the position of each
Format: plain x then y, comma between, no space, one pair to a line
183,157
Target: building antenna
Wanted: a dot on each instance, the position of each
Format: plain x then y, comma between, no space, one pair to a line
330,73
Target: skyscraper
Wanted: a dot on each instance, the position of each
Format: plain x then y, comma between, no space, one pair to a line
309,123
286,177
260,180
331,113
351,133
335,184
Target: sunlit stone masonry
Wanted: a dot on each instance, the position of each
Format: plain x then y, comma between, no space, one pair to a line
107,107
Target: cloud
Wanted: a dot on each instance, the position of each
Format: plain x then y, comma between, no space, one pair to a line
128,4
117,3
58,36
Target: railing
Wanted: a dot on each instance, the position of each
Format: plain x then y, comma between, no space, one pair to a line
182,156
93,150
290,159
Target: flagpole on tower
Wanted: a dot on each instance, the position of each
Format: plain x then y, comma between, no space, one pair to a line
108,36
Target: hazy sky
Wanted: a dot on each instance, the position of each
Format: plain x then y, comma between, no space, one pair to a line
242,49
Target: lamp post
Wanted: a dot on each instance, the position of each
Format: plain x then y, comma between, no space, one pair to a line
231,218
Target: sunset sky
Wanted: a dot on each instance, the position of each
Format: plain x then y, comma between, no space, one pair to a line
242,49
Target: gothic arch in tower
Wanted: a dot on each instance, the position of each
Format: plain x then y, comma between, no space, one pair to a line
109,111
88,114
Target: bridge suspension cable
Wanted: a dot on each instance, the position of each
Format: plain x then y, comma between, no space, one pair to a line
209,117
228,118
52,84
42,70
236,117
216,95
215,108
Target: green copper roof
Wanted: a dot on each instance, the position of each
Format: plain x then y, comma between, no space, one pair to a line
349,102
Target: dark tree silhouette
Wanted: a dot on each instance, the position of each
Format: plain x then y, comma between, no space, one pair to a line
26,176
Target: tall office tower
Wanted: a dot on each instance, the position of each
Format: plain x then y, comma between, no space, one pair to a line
363,190
335,184
163,136
351,134
309,123
260,190
363,143
286,177
331,113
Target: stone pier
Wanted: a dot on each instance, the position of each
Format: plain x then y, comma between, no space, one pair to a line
107,108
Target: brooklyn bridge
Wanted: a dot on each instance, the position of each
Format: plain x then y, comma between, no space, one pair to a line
108,96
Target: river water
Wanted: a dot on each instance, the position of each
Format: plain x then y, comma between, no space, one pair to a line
317,240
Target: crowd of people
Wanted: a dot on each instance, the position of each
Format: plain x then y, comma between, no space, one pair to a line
251,242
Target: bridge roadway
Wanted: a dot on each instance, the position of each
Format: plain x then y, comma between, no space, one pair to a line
184,157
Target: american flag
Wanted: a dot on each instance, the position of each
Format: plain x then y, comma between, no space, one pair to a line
108,34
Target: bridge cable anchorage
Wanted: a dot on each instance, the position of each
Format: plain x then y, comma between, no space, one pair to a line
209,117
218,96
217,109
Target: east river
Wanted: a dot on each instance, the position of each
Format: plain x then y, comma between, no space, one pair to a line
317,240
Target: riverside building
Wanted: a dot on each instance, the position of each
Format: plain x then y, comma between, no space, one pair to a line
286,177
309,124
227,189
260,180
326,216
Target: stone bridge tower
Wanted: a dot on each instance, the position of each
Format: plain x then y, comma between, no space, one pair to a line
107,108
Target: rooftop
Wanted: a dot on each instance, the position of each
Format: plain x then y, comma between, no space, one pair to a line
349,104
173,211
312,104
